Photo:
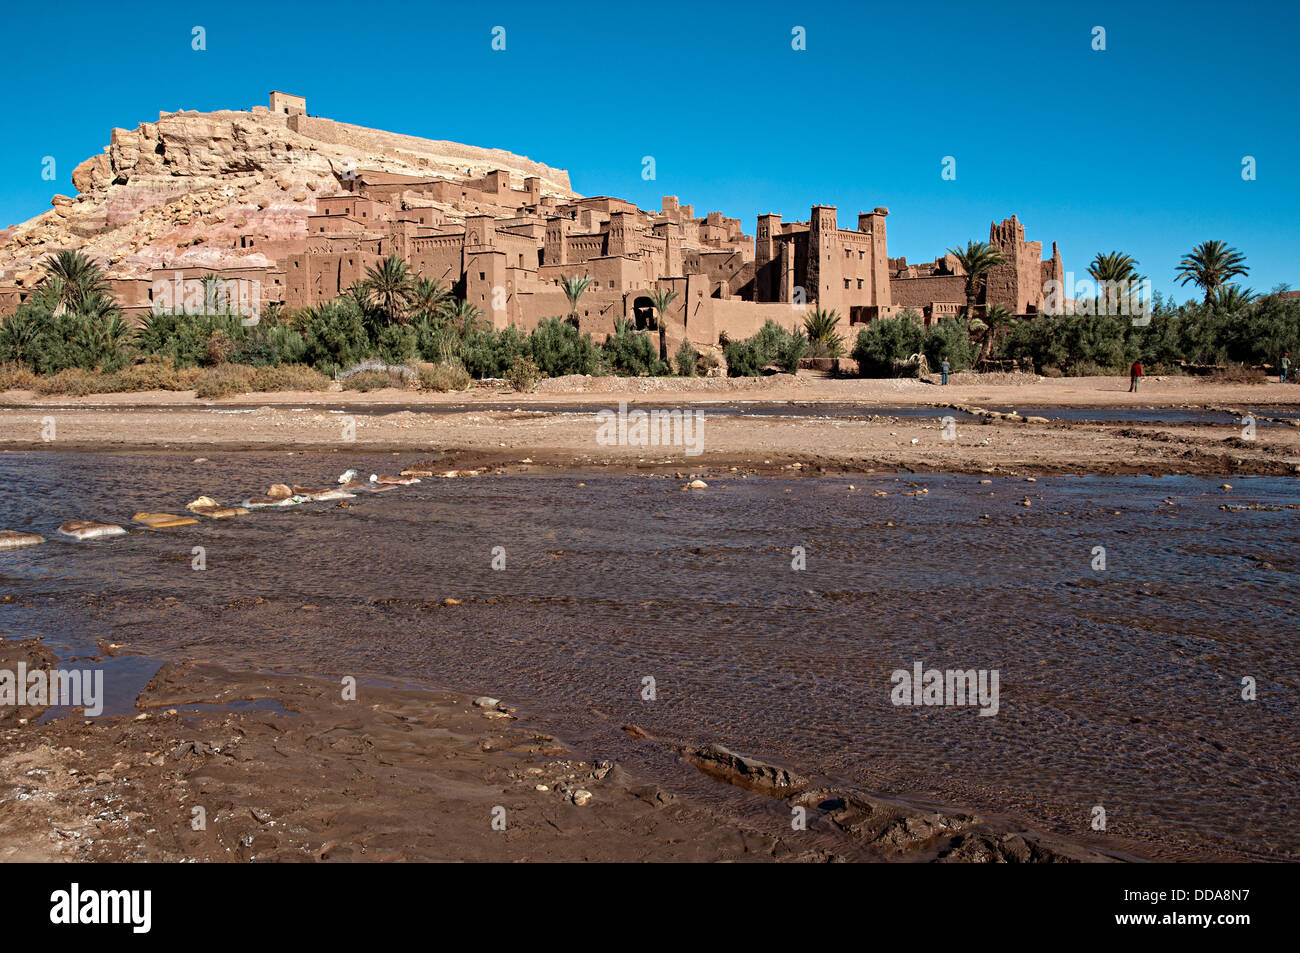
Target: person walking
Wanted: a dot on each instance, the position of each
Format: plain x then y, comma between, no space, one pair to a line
944,367
1134,374
1286,365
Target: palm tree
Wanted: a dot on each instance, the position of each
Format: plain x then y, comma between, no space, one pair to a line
428,297
820,326
976,258
1231,298
996,318
18,335
573,288
462,320
1117,279
388,288
212,286
1114,266
72,278
1211,265
661,300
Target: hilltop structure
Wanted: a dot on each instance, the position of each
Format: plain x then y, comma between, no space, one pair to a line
303,206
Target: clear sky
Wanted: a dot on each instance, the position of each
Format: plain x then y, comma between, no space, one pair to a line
1138,147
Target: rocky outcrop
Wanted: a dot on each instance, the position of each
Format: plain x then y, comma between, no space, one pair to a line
742,771
184,190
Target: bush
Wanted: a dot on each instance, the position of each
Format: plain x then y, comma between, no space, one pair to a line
630,352
488,353
154,374
296,377
397,343
226,380
71,382
773,344
335,336
50,343
17,377
950,338
883,342
443,377
559,348
688,359
375,380
523,375
268,343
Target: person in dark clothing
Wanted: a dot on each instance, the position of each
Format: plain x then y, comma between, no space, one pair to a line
1135,372
944,367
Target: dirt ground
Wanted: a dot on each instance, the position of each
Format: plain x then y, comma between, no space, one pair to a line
494,427
284,768
408,775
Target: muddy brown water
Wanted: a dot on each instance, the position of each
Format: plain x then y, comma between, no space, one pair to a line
1120,688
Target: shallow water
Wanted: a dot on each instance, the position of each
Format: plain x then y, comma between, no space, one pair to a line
834,410
1119,687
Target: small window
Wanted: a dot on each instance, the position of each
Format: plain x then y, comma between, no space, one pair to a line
859,284
846,284
848,253
482,276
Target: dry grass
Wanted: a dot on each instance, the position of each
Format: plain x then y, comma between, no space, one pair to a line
227,380
374,380
16,377
442,377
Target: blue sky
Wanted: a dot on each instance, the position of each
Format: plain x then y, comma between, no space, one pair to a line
1137,148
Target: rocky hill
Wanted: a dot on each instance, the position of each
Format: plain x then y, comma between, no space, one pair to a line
182,190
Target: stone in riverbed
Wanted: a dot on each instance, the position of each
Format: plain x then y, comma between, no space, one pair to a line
486,701
743,771
10,539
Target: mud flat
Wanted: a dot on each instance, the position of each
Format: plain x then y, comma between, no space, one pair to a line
557,427
220,765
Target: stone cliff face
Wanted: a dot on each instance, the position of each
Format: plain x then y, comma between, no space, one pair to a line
184,190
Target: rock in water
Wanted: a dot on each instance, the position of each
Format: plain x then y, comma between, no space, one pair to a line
89,529
742,771
207,506
10,539
163,520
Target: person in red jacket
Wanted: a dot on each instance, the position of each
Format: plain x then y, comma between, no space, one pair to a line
1134,373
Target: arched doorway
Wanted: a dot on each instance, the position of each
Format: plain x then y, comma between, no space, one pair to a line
643,314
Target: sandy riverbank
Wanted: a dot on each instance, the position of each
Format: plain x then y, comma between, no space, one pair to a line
488,427
404,774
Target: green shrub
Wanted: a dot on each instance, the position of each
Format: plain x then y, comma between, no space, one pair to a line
488,353
883,342
558,348
268,343
335,336
950,338
630,352
397,343
688,359
773,344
